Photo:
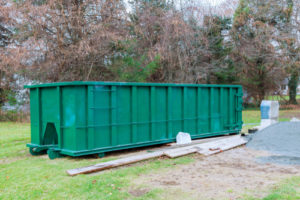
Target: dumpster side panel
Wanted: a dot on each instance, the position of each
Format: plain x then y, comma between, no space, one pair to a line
95,118
102,109
215,110
225,108
143,114
189,111
123,115
203,111
232,108
177,105
35,116
49,114
239,107
68,118
49,106
157,113
90,121
161,114
81,117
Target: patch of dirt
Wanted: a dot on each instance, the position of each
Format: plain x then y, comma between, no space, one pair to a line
169,183
138,192
228,175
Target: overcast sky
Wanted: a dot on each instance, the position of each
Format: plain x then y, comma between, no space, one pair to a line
218,7
204,2
213,2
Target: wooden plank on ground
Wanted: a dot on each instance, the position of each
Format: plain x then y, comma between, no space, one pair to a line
220,146
199,141
114,163
182,152
208,148
204,148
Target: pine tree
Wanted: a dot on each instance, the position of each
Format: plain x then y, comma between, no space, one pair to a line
256,32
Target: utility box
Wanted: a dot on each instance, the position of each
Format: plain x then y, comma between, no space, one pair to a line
81,118
269,113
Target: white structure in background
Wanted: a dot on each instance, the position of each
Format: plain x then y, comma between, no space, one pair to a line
285,87
183,138
269,113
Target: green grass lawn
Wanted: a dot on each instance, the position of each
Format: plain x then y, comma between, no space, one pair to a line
288,189
23,176
278,98
251,117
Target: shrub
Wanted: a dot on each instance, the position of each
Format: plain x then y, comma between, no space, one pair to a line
14,116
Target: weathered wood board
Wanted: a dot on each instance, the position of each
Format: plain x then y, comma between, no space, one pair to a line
208,148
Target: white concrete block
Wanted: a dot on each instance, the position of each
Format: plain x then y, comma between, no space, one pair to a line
183,138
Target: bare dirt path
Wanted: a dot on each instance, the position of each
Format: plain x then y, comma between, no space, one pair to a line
228,175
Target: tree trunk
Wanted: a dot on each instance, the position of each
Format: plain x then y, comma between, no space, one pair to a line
293,84
261,96
2,94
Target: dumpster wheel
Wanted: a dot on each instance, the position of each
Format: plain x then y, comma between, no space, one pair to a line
33,151
52,154
101,155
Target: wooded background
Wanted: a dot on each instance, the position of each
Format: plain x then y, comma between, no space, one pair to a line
149,41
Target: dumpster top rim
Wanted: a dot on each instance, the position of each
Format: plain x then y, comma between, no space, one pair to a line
78,83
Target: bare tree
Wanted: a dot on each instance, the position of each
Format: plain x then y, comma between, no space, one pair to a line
153,41
68,40
6,34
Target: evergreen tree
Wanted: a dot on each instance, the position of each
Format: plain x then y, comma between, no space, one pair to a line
222,68
292,50
256,31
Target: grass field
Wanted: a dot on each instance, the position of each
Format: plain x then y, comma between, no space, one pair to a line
251,117
278,98
286,190
23,176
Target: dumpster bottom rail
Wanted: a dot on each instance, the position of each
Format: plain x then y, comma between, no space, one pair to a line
54,151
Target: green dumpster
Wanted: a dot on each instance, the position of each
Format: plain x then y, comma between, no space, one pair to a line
81,118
